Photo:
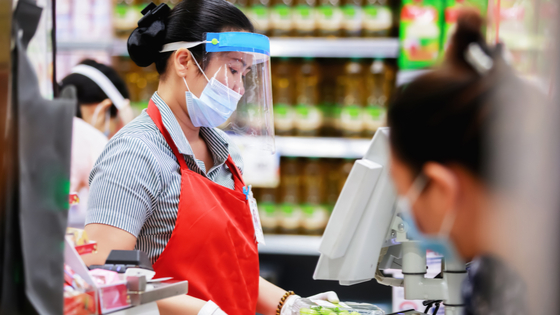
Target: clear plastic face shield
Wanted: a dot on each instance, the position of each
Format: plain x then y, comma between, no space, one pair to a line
238,94
102,112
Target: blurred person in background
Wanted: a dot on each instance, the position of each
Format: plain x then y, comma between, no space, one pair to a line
440,125
99,90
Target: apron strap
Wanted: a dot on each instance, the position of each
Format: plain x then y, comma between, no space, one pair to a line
154,113
237,177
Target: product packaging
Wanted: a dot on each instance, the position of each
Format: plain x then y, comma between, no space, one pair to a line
343,308
420,33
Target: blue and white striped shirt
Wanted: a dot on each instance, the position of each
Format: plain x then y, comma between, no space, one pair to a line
135,184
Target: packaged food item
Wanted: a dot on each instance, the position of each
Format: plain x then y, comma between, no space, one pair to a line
290,211
305,17
259,13
315,213
353,18
420,31
375,111
281,18
377,18
268,210
329,18
283,87
351,115
308,118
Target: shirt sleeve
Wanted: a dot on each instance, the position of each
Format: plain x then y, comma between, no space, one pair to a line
124,185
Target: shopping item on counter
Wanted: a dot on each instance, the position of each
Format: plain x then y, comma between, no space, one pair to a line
420,31
103,277
80,240
319,307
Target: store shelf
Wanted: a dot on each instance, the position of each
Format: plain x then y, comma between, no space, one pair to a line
322,147
335,47
281,47
84,45
291,245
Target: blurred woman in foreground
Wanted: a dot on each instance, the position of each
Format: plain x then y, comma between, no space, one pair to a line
440,125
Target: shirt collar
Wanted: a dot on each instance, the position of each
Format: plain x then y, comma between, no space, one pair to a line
216,142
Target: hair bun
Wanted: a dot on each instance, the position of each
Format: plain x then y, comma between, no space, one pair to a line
146,40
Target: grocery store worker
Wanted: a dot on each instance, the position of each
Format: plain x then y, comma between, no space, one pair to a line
102,96
170,183
100,91
439,131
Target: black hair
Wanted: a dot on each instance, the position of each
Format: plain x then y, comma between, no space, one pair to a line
88,92
444,116
188,21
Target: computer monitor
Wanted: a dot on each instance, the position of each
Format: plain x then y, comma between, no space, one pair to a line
361,219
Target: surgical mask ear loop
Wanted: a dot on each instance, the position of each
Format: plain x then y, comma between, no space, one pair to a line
199,68
95,114
188,89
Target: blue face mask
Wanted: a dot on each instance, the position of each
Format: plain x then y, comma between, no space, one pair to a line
440,243
214,106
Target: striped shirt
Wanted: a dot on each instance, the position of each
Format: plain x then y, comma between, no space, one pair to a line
135,184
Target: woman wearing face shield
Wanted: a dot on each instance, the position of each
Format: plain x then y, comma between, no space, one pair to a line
170,183
102,109
440,126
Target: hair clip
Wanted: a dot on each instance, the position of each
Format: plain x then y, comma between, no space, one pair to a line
478,59
152,12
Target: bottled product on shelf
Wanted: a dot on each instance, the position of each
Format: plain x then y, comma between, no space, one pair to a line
377,18
268,210
304,18
375,110
353,18
290,218
308,191
281,18
308,117
331,98
315,213
329,18
259,13
351,114
283,87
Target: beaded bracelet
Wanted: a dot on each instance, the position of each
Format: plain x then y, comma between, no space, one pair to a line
283,300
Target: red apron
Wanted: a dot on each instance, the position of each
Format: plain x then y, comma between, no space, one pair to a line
213,244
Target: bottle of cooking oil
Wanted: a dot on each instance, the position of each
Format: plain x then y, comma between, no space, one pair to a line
329,18
309,118
290,182
259,13
351,115
268,210
304,18
375,111
315,214
283,88
281,18
352,22
345,169
377,19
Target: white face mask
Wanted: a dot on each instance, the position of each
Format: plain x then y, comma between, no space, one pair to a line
440,243
215,105
95,115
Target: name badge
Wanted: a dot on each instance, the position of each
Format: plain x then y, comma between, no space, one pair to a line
259,235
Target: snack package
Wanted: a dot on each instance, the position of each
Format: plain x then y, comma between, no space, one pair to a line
343,308
420,33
